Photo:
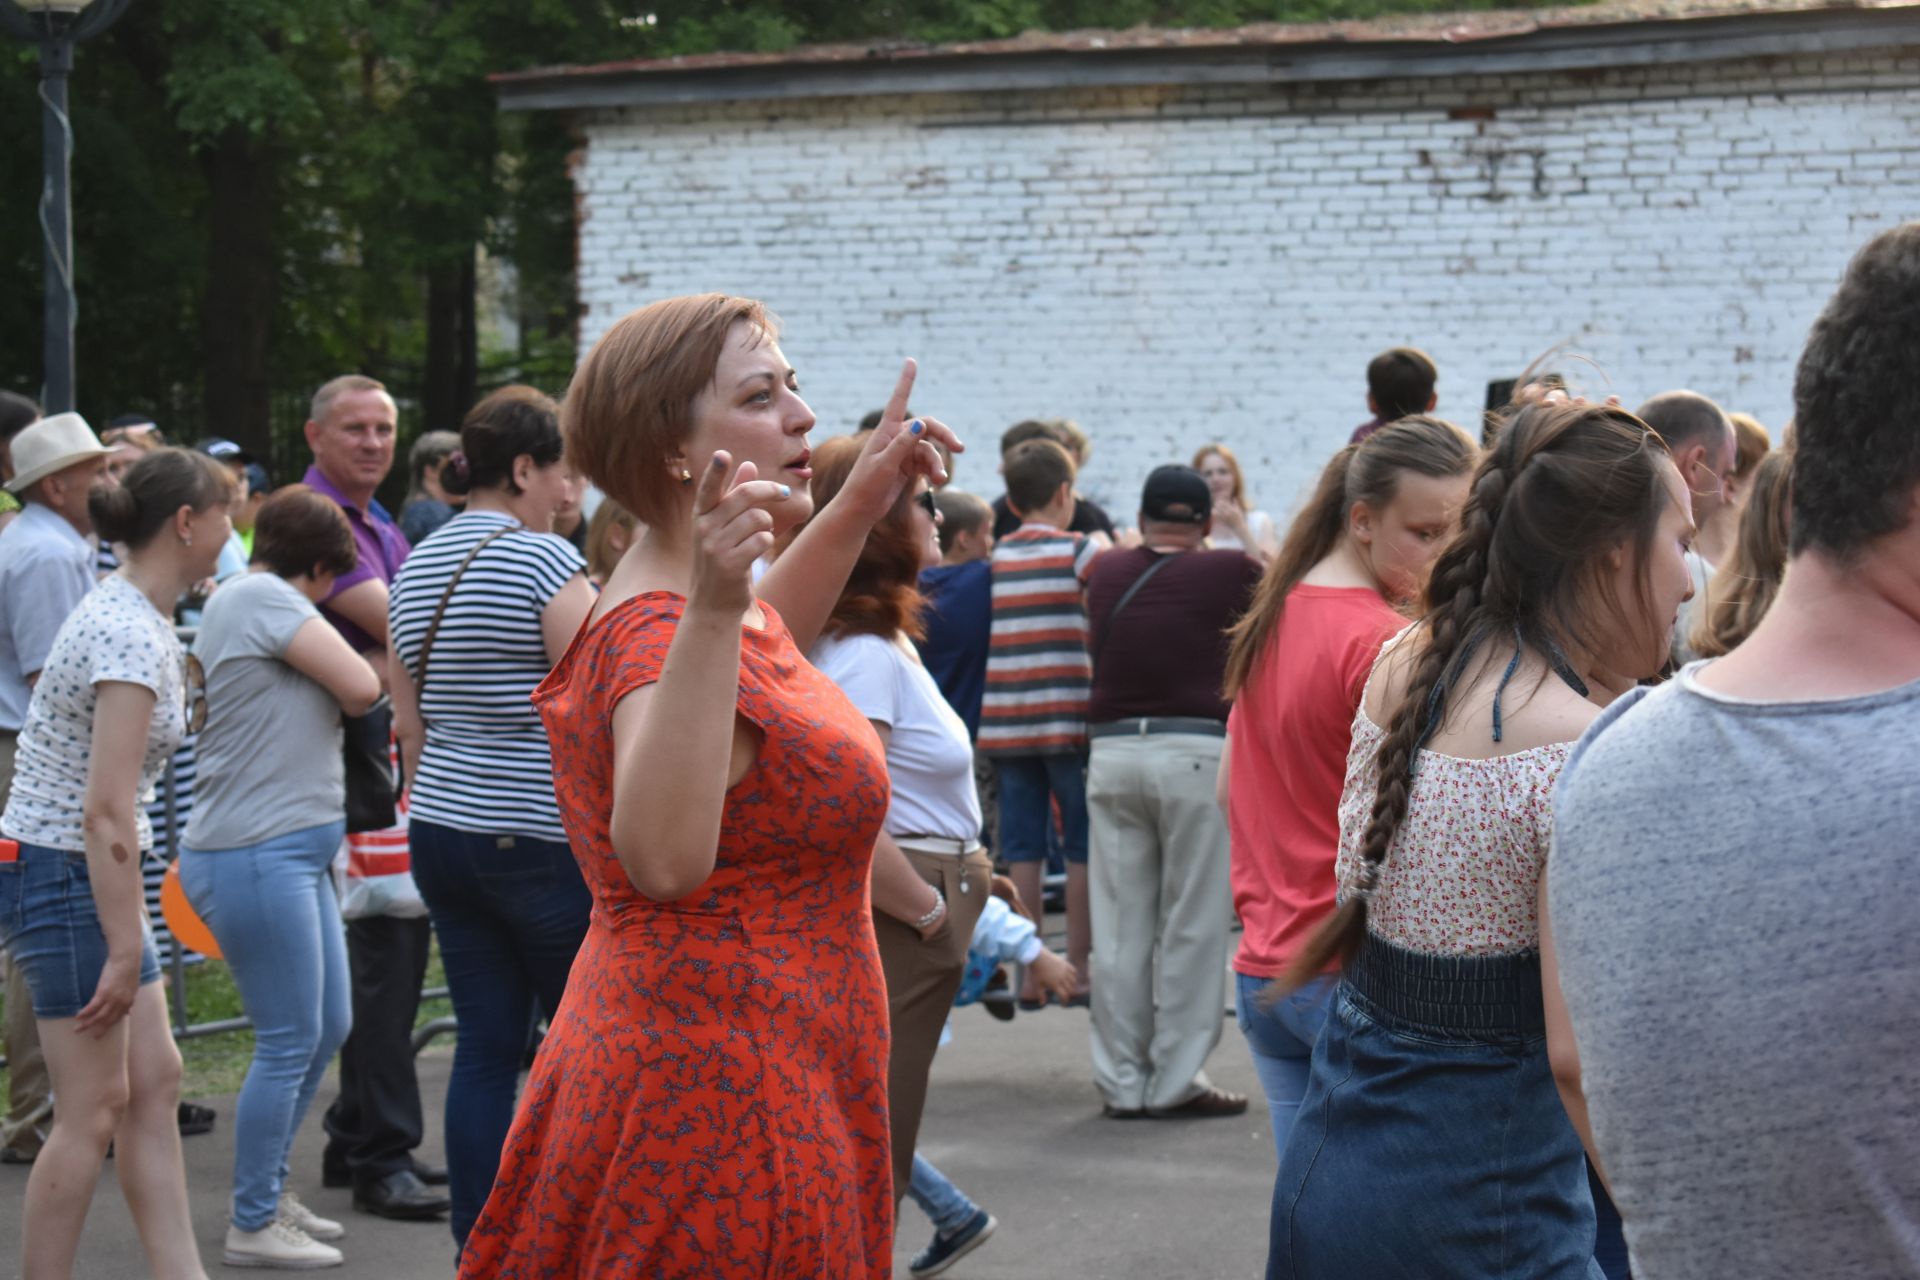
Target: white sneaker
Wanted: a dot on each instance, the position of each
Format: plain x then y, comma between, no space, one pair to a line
279,1245
292,1212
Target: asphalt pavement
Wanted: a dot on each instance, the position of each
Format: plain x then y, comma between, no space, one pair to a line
1012,1117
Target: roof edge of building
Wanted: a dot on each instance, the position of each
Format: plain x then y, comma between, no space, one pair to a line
1620,33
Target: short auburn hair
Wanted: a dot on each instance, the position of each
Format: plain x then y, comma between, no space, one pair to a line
882,596
630,405
300,529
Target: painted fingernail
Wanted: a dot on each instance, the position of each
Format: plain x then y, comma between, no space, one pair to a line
786,491
918,426
718,462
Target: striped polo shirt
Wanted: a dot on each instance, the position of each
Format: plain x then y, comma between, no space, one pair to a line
486,767
1038,674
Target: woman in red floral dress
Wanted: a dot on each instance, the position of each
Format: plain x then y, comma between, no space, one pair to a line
711,1101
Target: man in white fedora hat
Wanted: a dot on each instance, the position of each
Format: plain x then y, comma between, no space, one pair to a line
46,566
46,561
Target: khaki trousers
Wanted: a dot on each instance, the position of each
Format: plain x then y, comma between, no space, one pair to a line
923,976
1160,903
29,1096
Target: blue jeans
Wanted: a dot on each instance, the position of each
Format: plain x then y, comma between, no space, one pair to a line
944,1203
1026,783
1431,1104
1281,1038
51,930
272,909
510,912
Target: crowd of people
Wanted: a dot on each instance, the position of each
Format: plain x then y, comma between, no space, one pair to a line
722,764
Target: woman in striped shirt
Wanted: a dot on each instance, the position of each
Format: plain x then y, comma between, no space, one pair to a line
480,612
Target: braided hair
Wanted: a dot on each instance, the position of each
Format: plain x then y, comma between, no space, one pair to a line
1564,485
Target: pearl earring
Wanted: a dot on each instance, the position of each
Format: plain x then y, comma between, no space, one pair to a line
186,539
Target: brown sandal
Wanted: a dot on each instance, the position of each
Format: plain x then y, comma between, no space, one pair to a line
1205,1105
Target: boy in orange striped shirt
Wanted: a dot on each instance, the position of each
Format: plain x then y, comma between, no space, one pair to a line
1033,719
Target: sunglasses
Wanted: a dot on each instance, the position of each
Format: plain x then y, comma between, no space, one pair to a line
927,504
196,695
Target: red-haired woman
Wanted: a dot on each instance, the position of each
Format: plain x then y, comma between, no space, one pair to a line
711,1099
930,873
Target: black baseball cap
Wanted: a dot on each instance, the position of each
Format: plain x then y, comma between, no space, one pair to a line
224,450
1176,495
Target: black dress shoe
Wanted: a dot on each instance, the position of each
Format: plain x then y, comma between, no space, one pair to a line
402,1196
434,1175
195,1119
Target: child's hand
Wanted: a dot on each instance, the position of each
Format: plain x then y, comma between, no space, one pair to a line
1004,889
1053,975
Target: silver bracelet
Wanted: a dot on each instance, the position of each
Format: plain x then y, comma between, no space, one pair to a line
939,909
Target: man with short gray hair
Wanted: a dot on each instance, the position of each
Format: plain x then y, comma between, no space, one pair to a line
375,1124
1706,450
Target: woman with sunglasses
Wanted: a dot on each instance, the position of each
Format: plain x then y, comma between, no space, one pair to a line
930,873
268,816
108,710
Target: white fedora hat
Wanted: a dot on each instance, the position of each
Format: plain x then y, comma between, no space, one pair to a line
50,445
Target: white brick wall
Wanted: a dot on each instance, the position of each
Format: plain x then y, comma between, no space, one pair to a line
1169,266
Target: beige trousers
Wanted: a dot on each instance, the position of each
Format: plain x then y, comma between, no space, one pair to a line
1160,904
923,976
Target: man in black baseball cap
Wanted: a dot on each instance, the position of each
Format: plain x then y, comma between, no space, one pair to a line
1157,866
1176,495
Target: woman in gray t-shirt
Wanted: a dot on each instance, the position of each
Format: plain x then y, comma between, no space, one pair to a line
267,820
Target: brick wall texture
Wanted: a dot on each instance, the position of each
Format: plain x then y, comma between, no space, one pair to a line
1171,265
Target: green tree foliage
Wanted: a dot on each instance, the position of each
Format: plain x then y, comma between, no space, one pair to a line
269,192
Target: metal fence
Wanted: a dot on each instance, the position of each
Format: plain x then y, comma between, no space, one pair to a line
183,1027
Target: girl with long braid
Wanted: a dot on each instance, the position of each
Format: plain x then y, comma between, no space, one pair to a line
1432,1140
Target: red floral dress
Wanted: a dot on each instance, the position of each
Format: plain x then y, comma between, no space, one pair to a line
711,1100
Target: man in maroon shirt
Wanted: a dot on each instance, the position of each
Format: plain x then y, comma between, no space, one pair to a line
1158,615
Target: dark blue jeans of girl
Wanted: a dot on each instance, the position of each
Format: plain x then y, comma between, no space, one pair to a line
510,912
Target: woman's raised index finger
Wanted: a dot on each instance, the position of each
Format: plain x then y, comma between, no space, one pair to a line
712,482
897,402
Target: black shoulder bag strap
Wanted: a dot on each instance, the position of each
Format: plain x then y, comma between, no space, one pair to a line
1159,563
440,611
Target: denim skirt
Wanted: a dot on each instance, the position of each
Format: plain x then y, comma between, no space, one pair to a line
1431,1143
51,930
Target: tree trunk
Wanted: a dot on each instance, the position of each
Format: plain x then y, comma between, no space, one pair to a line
242,278
452,373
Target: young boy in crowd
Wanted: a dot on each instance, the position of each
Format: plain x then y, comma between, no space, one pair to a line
959,592
1033,715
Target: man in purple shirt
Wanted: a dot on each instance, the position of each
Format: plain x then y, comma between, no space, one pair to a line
375,1123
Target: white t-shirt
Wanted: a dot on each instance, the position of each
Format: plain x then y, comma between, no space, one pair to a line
1259,524
115,634
929,756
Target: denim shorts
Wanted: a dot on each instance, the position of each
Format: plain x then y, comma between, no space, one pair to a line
51,930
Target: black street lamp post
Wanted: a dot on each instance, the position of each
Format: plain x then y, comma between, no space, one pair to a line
56,26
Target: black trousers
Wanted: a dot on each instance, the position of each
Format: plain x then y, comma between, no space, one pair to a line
374,1125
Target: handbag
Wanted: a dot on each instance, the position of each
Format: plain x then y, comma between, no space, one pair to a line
366,748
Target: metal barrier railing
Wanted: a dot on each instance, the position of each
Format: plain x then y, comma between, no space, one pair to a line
183,1027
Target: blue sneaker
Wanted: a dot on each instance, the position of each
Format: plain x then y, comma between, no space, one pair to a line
946,1250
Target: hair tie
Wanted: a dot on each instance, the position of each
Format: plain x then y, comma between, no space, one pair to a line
457,463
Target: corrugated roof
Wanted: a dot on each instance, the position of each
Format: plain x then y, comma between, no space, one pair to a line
1406,29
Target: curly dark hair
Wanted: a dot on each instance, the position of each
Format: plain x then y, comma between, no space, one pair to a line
1856,404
